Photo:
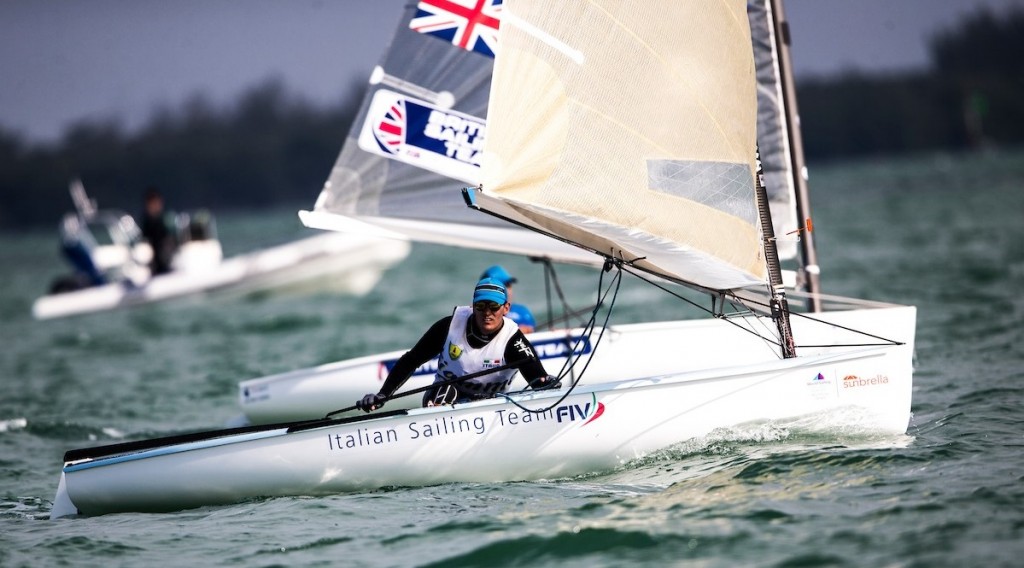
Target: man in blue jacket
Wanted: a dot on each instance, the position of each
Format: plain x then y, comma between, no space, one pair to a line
517,312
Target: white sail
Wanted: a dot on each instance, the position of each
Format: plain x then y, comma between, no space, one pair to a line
662,172
416,142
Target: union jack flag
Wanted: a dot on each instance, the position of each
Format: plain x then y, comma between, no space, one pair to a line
390,131
469,24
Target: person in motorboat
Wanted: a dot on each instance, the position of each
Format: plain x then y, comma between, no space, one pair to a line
516,312
157,232
474,338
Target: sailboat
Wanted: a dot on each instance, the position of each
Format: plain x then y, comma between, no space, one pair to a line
111,263
626,131
400,186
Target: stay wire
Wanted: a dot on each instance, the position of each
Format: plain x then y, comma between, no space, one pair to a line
744,302
551,280
588,328
842,327
700,307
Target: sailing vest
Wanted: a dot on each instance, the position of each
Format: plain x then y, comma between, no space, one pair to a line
458,359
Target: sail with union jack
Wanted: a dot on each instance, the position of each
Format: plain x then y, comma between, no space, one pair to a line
469,24
423,135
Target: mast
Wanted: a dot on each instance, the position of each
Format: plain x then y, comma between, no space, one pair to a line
810,269
778,303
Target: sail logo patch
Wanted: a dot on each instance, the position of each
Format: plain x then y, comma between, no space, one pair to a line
415,132
469,24
390,128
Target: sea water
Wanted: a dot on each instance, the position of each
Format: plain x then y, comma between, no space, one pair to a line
943,233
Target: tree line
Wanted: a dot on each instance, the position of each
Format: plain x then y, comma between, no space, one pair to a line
271,147
970,97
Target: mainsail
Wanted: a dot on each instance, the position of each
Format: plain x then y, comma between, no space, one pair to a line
418,134
631,131
417,138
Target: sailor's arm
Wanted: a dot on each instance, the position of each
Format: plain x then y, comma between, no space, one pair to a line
520,353
426,348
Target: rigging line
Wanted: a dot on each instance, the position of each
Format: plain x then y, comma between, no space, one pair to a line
572,387
849,345
551,278
567,309
568,312
547,296
744,302
766,335
617,281
566,317
842,327
588,328
700,307
670,292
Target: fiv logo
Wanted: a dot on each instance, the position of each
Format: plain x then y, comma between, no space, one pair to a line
587,412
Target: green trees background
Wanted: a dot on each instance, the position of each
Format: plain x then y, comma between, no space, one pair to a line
971,97
270,148
273,148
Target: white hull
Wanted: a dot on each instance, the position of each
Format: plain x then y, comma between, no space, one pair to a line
347,263
635,350
597,428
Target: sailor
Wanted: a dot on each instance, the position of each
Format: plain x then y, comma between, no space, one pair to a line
155,228
473,339
517,312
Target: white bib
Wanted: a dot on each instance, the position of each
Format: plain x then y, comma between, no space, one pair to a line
458,359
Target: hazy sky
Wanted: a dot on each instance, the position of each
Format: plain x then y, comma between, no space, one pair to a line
67,60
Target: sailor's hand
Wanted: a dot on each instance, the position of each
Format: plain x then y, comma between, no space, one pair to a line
372,401
545,383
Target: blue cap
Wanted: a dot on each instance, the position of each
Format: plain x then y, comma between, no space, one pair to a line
500,274
490,290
